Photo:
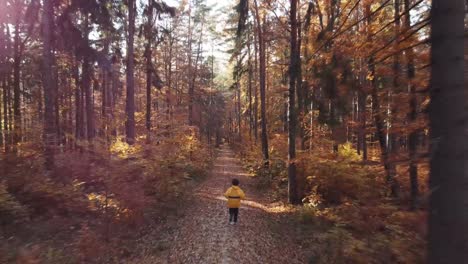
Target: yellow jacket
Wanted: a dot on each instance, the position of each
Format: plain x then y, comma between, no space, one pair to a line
234,196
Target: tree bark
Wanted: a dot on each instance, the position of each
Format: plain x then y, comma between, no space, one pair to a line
48,84
130,100
16,81
293,72
262,60
394,144
413,137
78,104
376,109
148,55
191,72
448,115
88,89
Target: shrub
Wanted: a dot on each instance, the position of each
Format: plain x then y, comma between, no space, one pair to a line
11,210
341,180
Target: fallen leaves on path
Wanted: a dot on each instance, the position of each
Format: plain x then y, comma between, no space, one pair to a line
203,235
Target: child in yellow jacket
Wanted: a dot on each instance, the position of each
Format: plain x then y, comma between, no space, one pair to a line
234,195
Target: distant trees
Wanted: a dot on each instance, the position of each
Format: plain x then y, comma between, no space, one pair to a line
360,69
75,86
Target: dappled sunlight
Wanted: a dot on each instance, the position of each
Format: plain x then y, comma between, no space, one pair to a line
251,204
123,149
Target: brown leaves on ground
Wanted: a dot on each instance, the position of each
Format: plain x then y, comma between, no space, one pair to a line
203,235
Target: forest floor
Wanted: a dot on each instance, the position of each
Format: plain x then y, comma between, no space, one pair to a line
201,233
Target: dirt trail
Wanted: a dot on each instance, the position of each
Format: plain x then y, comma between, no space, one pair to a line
204,236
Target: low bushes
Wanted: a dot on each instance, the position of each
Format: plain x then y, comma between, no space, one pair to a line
99,200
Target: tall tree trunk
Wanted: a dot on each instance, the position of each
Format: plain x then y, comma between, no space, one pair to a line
255,107
376,109
239,121
78,104
262,59
148,55
299,84
5,112
130,102
88,89
293,72
448,115
362,120
413,137
16,82
250,76
48,84
394,145
190,68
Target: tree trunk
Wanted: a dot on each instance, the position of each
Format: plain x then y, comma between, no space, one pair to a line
5,113
148,55
394,144
362,120
255,107
293,72
48,84
130,102
88,89
78,104
249,92
2,124
448,212
16,82
299,85
191,72
376,109
261,41
413,137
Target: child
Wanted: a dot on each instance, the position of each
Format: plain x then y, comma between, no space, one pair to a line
234,195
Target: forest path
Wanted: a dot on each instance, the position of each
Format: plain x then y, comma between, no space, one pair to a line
204,236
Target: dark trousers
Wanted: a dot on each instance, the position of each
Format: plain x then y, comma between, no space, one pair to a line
233,212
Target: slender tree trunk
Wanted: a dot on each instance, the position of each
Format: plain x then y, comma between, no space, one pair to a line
262,60
48,84
88,89
2,124
250,76
78,104
5,112
394,144
362,120
294,68
413,137
299,84
16,82
239,121
376,109
448,115
130,102
148,55
255,107
190,68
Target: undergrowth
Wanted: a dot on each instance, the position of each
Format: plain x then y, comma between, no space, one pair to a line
346,215
97,201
